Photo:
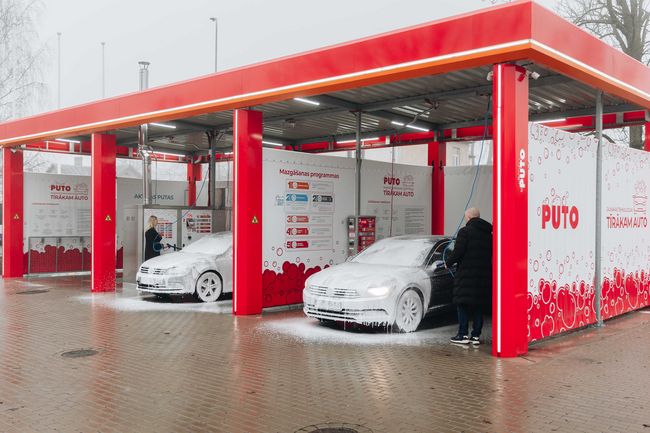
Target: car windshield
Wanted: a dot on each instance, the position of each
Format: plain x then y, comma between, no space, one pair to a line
217,243
396,252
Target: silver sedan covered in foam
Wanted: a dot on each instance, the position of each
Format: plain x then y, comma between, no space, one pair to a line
203,268
395,281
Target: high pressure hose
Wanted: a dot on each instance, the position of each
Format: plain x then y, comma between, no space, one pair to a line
474,182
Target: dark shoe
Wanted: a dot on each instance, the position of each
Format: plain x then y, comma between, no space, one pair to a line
475,341
459,339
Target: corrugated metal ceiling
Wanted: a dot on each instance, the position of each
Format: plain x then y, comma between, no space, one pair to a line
447,100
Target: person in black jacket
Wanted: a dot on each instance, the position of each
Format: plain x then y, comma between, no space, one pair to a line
473,279
152,238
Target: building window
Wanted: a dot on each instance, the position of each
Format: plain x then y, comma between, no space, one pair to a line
456,157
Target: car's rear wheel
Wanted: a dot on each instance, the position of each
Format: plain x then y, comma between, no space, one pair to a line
409,311
208,287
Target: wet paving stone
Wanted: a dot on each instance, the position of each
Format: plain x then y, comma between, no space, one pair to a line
187,367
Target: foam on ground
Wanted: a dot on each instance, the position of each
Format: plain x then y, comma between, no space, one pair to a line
130,301
306,330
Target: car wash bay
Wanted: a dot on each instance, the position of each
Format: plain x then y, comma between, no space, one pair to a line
449,88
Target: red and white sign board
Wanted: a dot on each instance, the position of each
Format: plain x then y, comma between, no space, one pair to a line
58,206
625,233
561,231
401,190
306,201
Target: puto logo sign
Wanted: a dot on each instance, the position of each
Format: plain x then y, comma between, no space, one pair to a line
522,170
560,217
64,191
399,186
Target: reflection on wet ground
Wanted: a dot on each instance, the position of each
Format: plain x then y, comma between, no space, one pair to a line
152,365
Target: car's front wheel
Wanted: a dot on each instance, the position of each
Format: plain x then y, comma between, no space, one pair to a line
409,311
208,287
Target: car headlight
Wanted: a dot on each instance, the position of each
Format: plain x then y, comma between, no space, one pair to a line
174,270
379,291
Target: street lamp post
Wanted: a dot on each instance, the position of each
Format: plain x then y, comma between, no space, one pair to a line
103,70
58,96
216,40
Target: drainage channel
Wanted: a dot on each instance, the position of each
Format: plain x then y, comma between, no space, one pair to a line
334,428
79,353
32,292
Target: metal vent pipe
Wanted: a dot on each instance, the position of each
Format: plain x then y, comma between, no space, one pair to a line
143,140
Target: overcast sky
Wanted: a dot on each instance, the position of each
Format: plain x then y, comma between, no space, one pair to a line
177,37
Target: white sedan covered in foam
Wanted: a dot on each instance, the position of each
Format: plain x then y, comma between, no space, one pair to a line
203,268
395,281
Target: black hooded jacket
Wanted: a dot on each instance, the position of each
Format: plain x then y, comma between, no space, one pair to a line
473,253
152,244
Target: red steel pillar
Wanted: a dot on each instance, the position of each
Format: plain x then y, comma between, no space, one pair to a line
437,158
510,211
193,174
646,142
247,212
102,268
12,213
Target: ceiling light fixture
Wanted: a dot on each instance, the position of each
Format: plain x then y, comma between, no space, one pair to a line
163,125
68,141
272,143
306,101
417,128
354,141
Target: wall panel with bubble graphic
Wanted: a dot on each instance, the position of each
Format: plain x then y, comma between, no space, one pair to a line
561,231
625,231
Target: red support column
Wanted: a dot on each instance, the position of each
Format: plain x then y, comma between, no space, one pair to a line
646,142
193,174
510,211
247,212
437,158
12,213
103,213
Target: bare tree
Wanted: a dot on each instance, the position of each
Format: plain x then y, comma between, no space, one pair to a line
21,86
624,24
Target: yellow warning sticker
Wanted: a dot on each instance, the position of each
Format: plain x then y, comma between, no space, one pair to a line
255,221
108,218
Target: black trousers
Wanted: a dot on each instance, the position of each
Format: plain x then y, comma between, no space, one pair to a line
465,311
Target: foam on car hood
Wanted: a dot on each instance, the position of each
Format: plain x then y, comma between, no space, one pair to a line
362,276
